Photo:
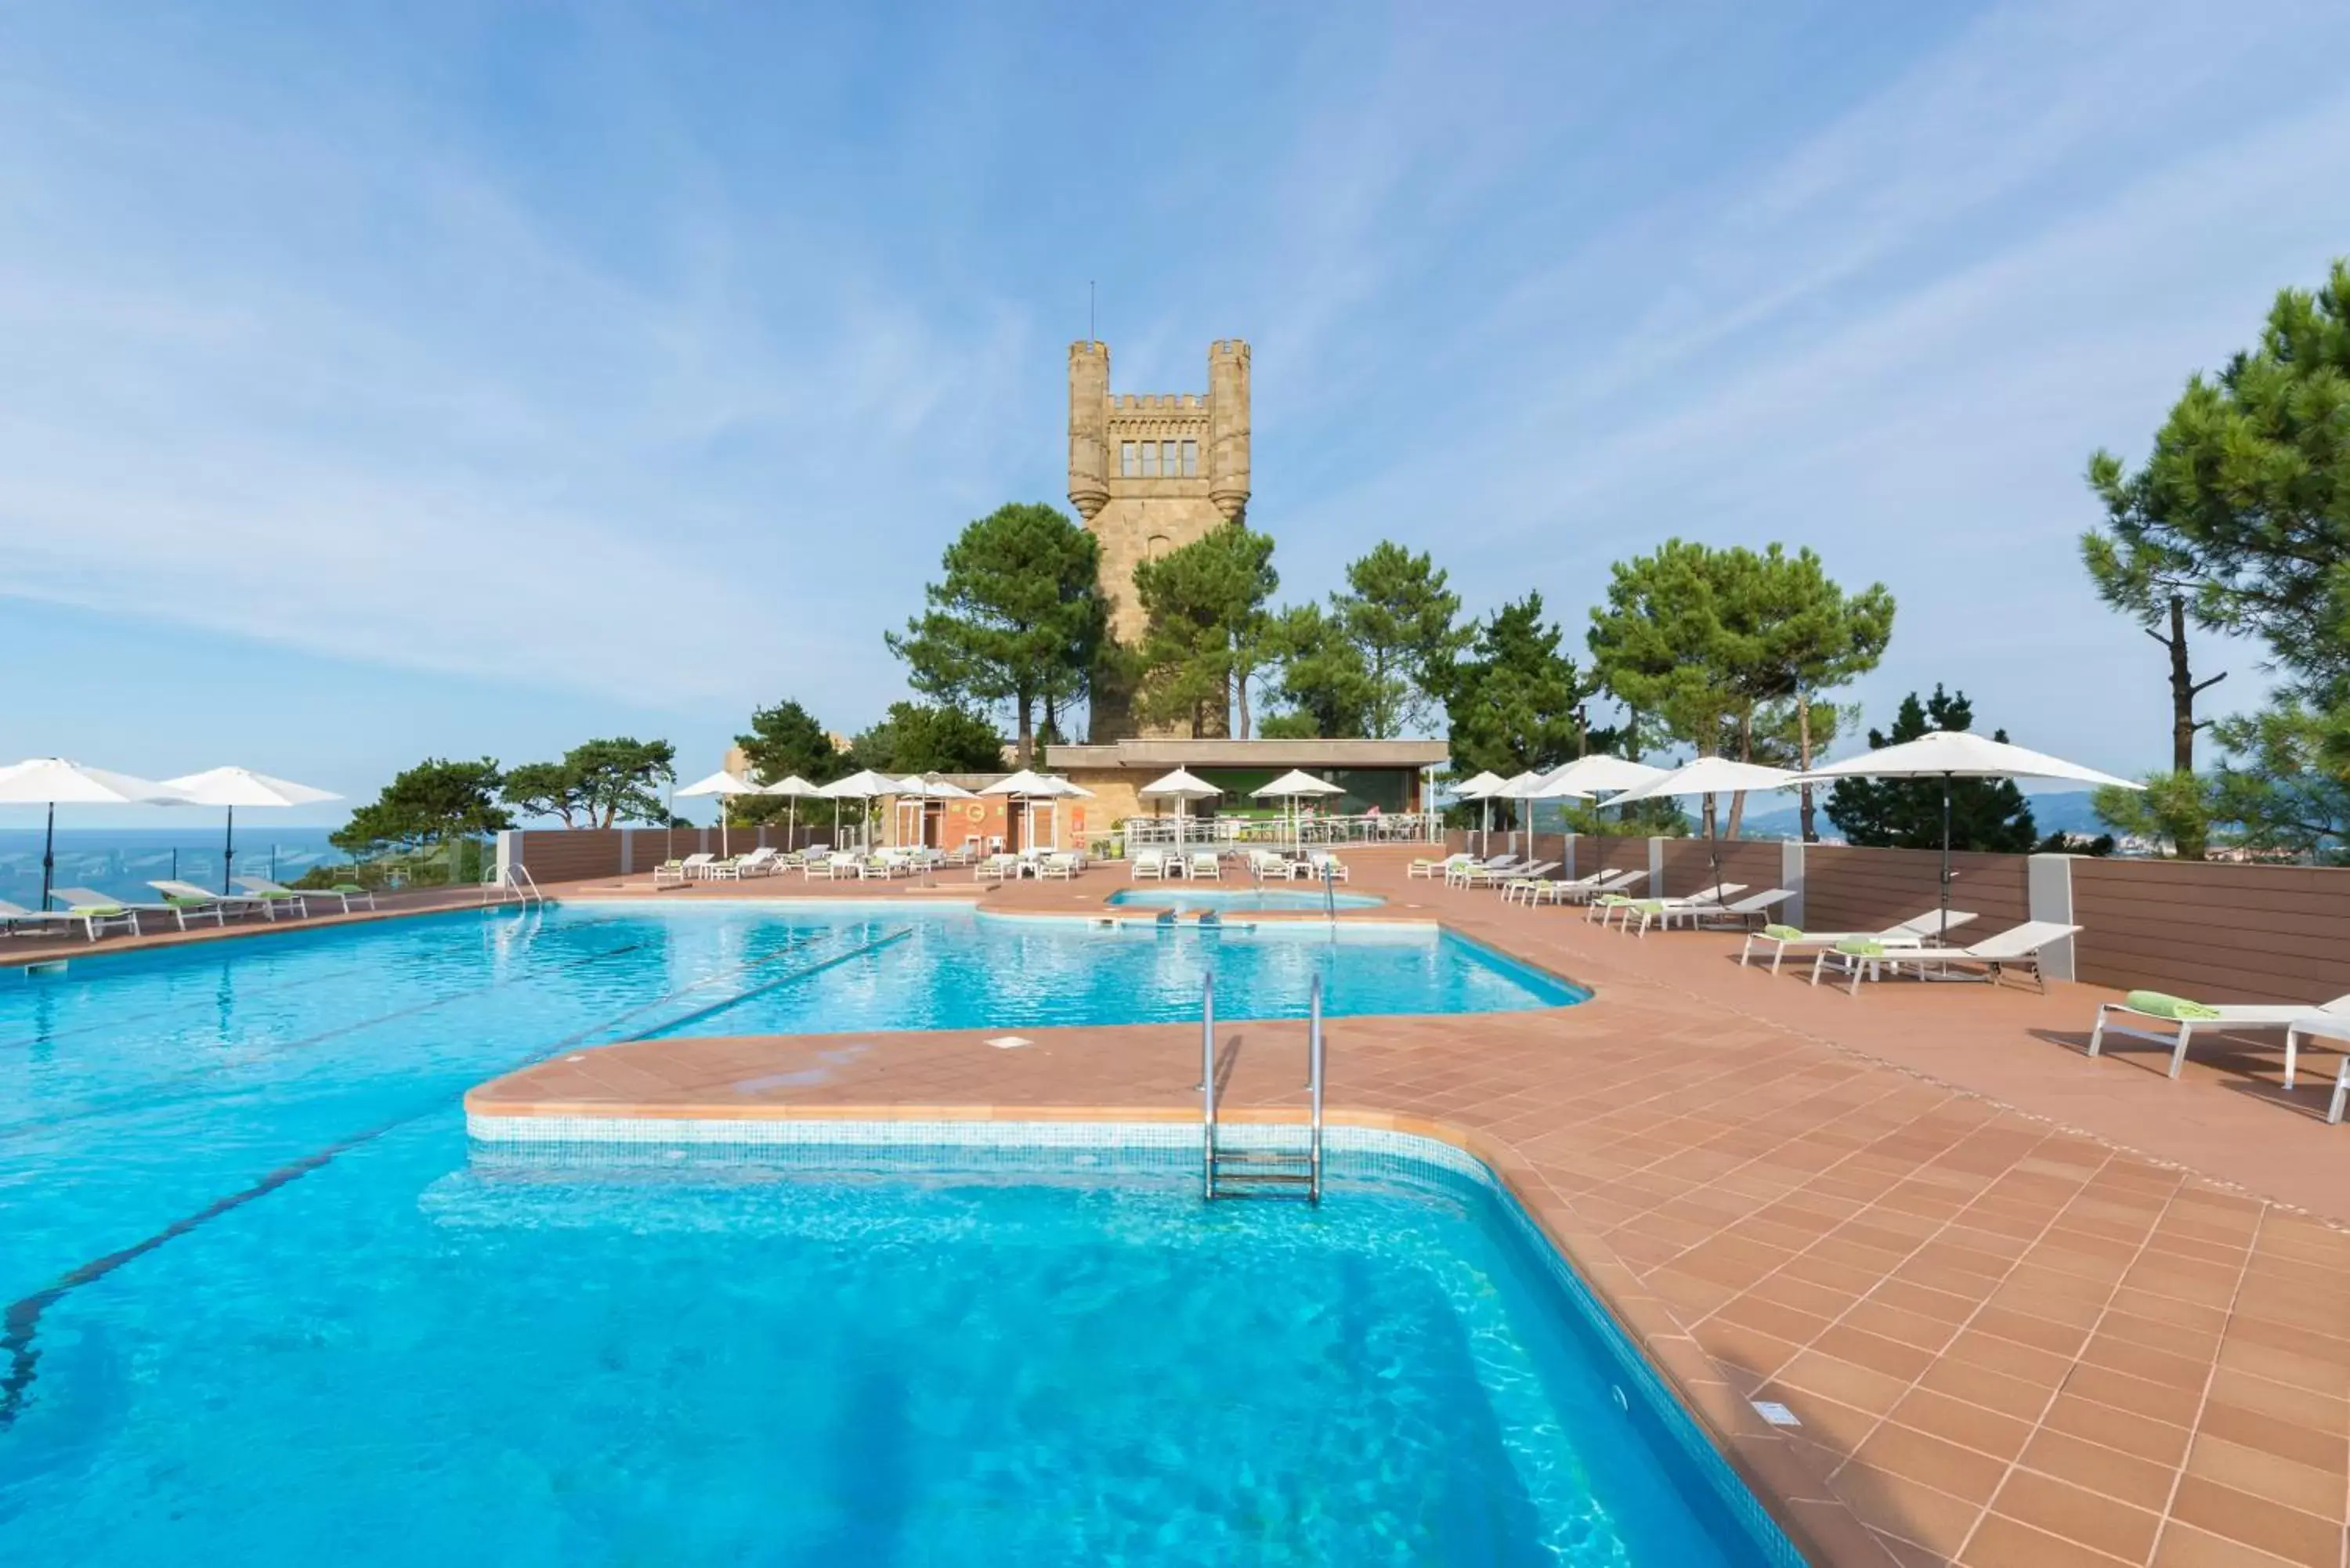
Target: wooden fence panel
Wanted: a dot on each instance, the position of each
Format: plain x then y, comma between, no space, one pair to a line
2215,932
1850,889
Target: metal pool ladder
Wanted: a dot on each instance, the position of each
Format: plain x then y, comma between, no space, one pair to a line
1261,1172
516,881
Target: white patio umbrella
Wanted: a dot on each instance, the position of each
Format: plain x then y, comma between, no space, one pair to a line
1948,754
1595,776
921,789
1481,787
1520,790
1028,788
724,785
234,787
798,789
1588,777
1182,787
46,781
1711,775
1294,786
860,786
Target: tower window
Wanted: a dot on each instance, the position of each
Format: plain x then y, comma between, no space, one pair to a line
1191,460
1166,458
1127,468
1151,459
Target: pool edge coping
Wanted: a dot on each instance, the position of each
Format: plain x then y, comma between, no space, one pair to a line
1823,1527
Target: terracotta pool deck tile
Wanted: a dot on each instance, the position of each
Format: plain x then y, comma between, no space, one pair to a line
2109,1472
2184,1546
2077,1514
2222,1510
2004,1542
2311,1490
1918,1203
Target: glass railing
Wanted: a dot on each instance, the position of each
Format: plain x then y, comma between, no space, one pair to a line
124,868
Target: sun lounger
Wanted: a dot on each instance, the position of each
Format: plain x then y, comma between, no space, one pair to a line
1061,866
180,910
1321,864
232,903
1556,890
1149,866
1492,875
1613,886
2188,1017
670,873
1206,868
997,868
1910,932
1735,916
262,887
2018,947
1646,909
1431,869
94,919
1456,874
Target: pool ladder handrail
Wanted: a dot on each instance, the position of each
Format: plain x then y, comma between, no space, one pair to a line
1256,1166
518,880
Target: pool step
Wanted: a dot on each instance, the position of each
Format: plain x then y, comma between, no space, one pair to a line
1238,1172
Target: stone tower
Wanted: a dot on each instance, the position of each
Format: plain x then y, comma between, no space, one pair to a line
1149,472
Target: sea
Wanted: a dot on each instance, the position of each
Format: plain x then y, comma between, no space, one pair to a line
121,861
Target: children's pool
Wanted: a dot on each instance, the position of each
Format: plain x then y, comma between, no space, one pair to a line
1187,899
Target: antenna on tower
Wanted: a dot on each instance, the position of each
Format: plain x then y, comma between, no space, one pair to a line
1089,310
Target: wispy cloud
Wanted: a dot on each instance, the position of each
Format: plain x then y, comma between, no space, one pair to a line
661,361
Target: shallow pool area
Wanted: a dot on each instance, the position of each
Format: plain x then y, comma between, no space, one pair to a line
265,1303
1185,899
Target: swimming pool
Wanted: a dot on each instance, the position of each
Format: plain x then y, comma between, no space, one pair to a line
264,1305
1185,900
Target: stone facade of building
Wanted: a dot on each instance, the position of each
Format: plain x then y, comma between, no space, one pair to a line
1149,473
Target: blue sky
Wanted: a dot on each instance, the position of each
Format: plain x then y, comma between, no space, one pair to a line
413,379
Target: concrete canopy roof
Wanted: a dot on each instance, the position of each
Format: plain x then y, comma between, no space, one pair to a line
1160,755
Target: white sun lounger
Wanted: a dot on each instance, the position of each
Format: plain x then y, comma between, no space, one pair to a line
2018,947
1648,908
1147,866
235,903
1432,869
2282,1015
93,919
1620,882
1910,932
262,887
182,910
1458,874
1733,915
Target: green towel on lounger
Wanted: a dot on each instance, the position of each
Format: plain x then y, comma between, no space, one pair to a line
1862,949
1651,906
95,909
1783,933
2162,1006
185,901
1612,899
346,887
275,893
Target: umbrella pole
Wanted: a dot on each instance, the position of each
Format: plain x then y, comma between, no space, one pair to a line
48,856
1943,939
228,851
1714,852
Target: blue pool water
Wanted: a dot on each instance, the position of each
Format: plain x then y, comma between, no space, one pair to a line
1185,899
267,1305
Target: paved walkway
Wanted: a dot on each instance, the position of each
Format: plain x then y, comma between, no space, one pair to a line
2030,1308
